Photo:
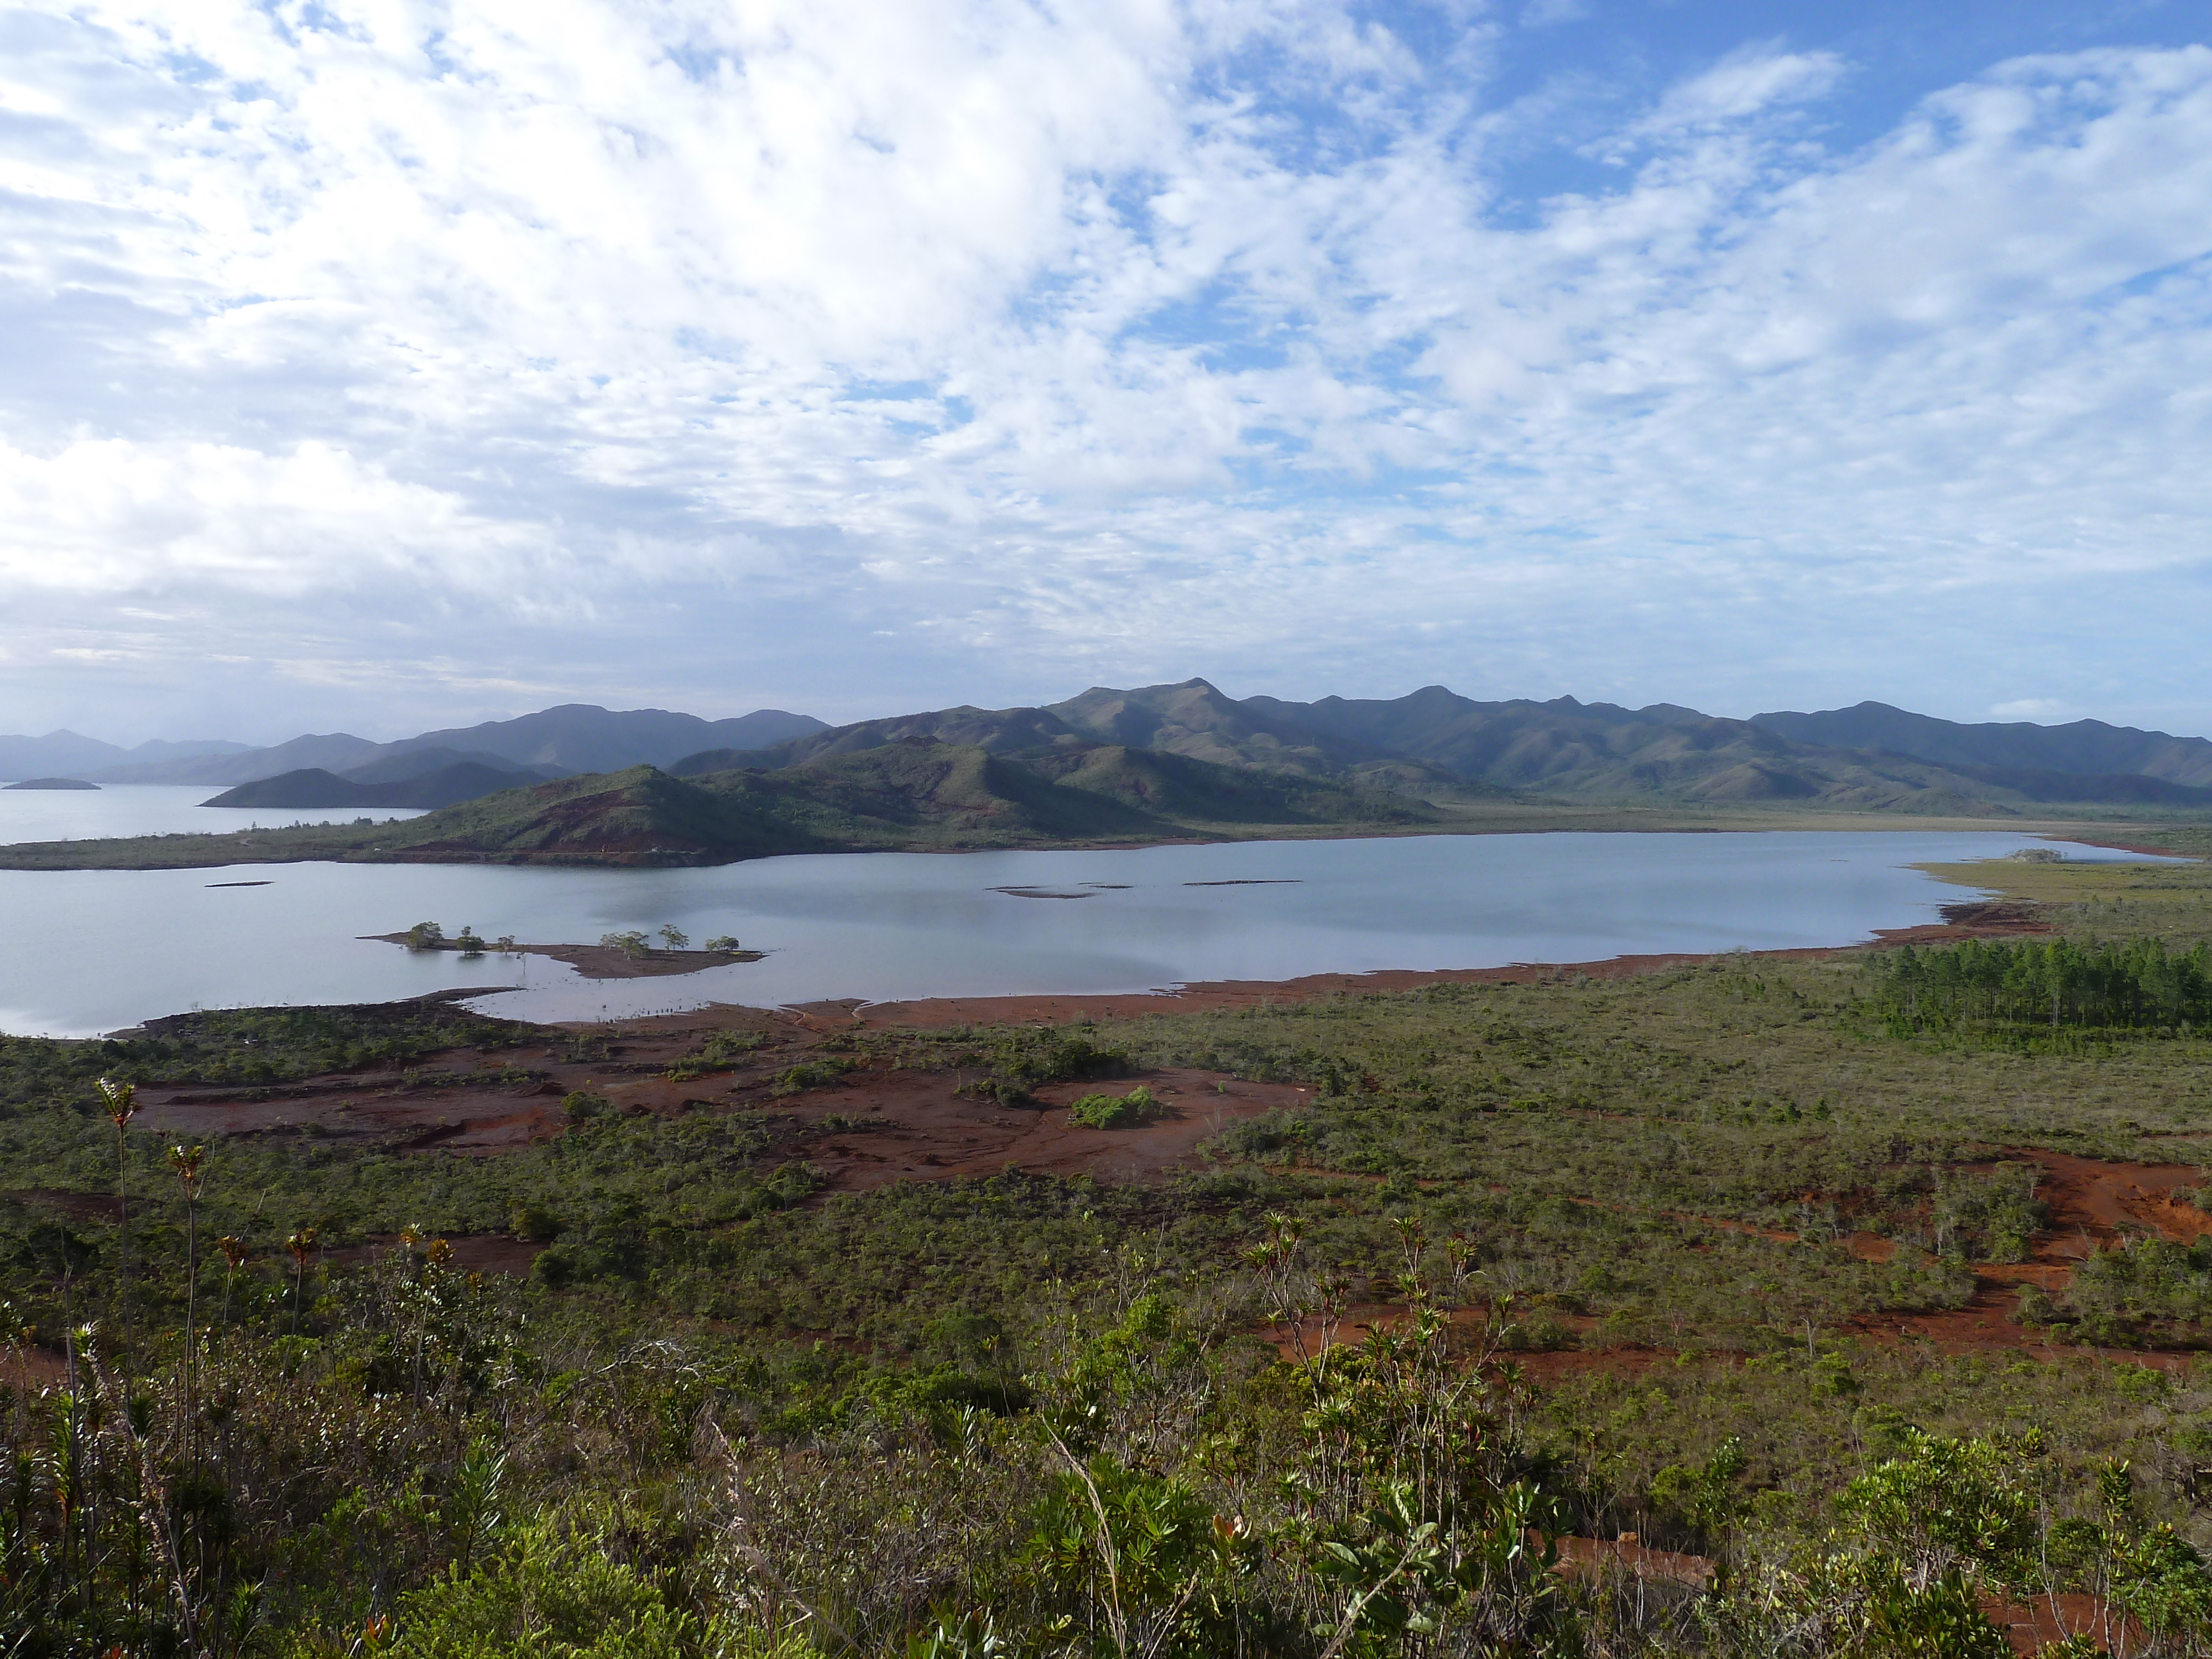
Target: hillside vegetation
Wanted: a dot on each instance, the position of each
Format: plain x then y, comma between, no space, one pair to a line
916,794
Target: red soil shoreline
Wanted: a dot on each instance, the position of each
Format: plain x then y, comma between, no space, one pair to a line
1969,919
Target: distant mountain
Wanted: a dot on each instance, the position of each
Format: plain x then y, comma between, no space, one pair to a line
67,753
333,752
160,749
51,783
575,738
1434,743
583,738
1193,718
2087,747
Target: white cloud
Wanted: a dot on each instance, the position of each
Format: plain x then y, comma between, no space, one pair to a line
1131,334
105,515
2038,709
1547,13
1744,84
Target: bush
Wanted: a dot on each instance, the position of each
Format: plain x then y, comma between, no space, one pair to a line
579,1105
545,1593
1112,1112
425,936
808,1074
534,1223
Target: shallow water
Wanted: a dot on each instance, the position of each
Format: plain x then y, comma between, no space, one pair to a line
84,952
153,809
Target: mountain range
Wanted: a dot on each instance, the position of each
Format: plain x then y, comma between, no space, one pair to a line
1431,744
1435,743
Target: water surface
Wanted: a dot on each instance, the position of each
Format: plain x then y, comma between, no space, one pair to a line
83,951
153,809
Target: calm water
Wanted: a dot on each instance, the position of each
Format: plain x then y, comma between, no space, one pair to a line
90,950
148,809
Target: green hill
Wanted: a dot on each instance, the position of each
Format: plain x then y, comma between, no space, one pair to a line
915,794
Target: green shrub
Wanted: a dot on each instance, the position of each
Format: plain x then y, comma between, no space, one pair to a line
726,1046
534,1223
545,1593
1115,1112
809,1074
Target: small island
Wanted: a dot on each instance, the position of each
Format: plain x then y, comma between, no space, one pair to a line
52,783
616,956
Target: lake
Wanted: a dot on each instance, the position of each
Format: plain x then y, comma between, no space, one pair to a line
153,809
85,951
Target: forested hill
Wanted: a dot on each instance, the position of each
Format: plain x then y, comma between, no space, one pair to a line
919,795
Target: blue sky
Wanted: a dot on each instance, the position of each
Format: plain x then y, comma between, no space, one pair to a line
380,364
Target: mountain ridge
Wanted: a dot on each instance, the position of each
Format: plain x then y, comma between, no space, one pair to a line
1433,743
2085,747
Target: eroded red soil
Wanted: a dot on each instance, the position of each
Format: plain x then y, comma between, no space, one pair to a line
872,1126
878,1127
2093,1204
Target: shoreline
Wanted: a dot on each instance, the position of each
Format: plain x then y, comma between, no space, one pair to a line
146,853
1968,919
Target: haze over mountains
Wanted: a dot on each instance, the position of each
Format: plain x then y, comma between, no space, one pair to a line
66,754
572,737
1432,743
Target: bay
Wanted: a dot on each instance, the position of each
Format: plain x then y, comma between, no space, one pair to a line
85,951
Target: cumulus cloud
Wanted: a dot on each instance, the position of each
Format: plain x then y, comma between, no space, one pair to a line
1138,336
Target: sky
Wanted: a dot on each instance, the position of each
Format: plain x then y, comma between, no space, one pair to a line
379,365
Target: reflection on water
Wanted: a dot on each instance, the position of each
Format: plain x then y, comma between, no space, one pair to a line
93,951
